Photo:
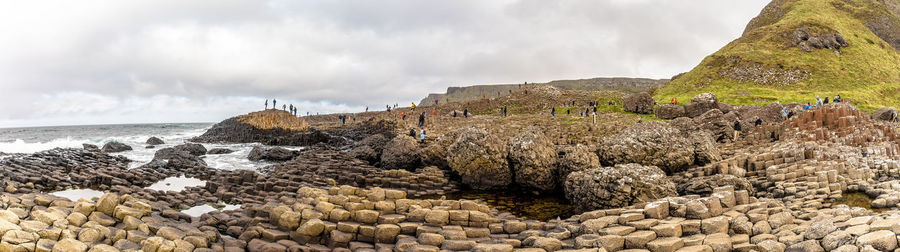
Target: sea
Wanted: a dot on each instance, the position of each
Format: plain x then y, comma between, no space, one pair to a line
36,139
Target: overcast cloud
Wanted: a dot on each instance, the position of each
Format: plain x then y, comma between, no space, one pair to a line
97,62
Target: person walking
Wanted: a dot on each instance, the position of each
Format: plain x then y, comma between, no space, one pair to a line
367,108
894,116
422,120
283,107
422,136
594,115
553,111
784,113
267,103
737,128
413,107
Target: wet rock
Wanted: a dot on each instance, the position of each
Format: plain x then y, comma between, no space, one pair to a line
155,141
480,159
641,103
619,186
192,148
90,147
112,147
219,151
532,157
400,153
277,154
650,143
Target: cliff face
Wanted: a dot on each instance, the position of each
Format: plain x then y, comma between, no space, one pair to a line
795,50
627,85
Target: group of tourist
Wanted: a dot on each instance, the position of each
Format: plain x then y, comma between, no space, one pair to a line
290,108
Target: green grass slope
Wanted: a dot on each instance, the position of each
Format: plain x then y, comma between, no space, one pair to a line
768,63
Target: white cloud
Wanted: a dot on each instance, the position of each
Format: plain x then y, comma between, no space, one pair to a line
75,62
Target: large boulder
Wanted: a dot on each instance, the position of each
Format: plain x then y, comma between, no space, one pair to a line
641,103
155,141
114,146
717,123
669,111
532,157
370,148
400,153
480,159
90,147
175,158
271,154
705,149
705,185
883,113
769,113
435,153
575,158
193,148
619,186
649,143
700,104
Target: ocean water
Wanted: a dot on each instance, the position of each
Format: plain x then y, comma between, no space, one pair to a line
36,139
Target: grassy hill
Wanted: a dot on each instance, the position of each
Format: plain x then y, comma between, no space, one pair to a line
798,49
625,85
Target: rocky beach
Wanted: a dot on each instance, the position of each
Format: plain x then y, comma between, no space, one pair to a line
659,185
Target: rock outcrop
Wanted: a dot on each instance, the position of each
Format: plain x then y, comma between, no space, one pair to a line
276,154
618,186
669,111
700,104
219,151
112,147
575,158
155,141
192,148
370,148
175,158
480,159
705,185
401,153
883,114
641,103
532,157
649,143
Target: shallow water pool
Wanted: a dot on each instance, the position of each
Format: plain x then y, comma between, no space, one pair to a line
528,206
206,208
176,184
77,194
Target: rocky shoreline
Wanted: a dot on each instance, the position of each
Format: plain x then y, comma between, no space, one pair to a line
693,190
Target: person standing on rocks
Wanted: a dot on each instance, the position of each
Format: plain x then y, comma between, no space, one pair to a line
553,111
818,101
403,116
757,122
422,136
594,115
894,116
422,120
413,107
784,113
466,112
412,132
267,103
274,104
826,100
737,128
808,106
283,107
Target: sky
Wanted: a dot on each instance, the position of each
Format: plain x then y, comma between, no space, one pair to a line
160,61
